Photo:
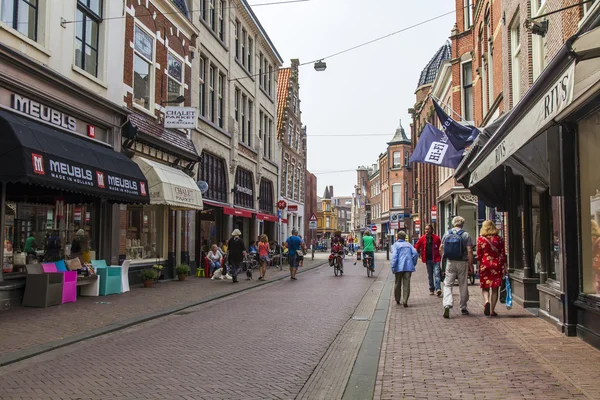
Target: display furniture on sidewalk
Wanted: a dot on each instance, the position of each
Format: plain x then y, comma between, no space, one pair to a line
125,276
90,285
110,277
42,289
69,281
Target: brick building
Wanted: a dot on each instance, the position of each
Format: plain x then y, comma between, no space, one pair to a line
375,198
400,183
310,205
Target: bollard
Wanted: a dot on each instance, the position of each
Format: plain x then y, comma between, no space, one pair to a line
387,251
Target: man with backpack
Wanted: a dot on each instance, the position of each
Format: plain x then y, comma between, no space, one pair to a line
457,249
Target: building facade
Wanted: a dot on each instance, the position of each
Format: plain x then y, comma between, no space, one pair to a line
291,135
327,219
361,207
343,206
400,182
310,206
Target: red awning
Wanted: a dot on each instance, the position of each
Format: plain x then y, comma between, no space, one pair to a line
237,212
283,221
266,217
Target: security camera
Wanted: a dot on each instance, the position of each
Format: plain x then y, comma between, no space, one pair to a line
537,28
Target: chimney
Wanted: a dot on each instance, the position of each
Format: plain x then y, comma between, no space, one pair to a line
331,191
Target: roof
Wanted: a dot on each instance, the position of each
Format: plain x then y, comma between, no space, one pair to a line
327,195
174,141
400,136
430,71
261,29
182,7
283,80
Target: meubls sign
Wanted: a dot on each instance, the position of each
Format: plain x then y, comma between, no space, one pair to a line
541,115
43,112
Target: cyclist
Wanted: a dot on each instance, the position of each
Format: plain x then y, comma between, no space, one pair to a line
369,247
337,247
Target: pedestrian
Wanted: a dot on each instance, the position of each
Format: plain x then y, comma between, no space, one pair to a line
457,249
429,248
253,247
235,254
215,259
30,246
263,254
77,245
403,263
369,247
492,265
53,246
294,243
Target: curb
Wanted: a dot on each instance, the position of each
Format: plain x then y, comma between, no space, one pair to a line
79,337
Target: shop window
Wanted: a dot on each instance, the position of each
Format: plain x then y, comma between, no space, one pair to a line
244,193
144,232
536,232
589,148
266,196
21,15
213,172
87,28
555,267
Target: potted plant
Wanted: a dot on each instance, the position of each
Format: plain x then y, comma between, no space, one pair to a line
182,271
158,269
147,276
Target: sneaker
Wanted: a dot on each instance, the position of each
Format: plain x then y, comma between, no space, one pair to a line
464,311
486,309
439,293
446,312
397,302
431,293
405,304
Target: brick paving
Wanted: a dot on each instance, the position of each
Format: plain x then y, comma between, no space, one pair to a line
512,356
259,344
24,328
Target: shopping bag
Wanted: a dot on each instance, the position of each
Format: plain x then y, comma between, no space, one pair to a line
508,293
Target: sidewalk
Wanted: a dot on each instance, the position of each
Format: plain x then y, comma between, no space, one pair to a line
25,332
513,356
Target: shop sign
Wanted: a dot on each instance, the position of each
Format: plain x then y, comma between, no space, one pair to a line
292,208
433,214
556,99
181,117
43,112
244,190
185,195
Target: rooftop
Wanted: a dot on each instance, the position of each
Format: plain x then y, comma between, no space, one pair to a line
430,71
400,136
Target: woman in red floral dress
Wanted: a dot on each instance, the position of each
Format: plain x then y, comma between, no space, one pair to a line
491,258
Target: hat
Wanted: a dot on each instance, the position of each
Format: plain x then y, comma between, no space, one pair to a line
236,232
80,232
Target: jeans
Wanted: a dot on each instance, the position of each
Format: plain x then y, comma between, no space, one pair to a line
402,286
214,265
433,273
456,269
372,255
234,268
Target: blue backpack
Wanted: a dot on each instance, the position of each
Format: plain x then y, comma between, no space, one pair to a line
454,247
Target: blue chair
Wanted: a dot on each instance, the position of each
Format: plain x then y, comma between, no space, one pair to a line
110,279
99,264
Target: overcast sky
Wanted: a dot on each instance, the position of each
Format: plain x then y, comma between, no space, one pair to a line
364,91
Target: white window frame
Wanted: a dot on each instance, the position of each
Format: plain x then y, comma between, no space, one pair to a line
249,121
515,62
221,100
212,88
250,54
221,20
538,43
396,163
152,79
468,14
399,203
463,92
490,59
202,86
176,56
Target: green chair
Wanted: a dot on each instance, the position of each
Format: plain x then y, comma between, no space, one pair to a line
110,280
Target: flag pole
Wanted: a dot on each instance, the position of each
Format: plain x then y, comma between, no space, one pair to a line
447,106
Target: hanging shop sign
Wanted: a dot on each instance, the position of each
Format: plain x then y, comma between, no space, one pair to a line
181,117
433,214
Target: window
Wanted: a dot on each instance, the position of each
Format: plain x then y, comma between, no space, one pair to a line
260,127
212,171
243,116
467,86
468,13
221,32
211,93
243,44
250,110
484,95
297,185
515,65
327,220
396,195
87,27
266,196
490,57
202,86
270,139
237,39
221,102
290,132
406,158
236,104
588,6
406,202
285,174
396,163
270,79
589,145
175,80
211,14
250,54
144,227
143,61
260,70
244,188
290,182
538,43
266,73
21,15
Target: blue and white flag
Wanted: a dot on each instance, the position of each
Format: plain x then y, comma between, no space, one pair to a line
433,147
460,136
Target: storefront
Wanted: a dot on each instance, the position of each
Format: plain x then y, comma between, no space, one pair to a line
267,219
55,184
540,166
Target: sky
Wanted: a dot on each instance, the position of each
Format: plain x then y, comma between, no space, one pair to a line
366,91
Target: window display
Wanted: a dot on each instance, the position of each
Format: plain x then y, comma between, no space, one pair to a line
144,232
589,148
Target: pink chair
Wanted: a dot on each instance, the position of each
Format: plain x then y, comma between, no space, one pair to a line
69,294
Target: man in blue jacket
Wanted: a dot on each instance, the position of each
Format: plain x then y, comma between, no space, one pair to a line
403,263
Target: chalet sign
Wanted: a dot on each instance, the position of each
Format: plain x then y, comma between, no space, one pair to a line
181,117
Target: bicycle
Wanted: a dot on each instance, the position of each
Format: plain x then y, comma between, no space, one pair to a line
337,264
368,264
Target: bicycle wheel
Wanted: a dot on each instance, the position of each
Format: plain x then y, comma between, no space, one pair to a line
369,270
335,268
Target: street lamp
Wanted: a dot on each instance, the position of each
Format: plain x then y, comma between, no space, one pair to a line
320,66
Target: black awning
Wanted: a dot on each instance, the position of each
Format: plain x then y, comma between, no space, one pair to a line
35,154
491,190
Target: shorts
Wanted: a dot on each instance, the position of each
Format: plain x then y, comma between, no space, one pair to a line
293,260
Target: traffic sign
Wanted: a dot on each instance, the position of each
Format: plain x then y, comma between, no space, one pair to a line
278,213
374,228
281,204
313,218
312,224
